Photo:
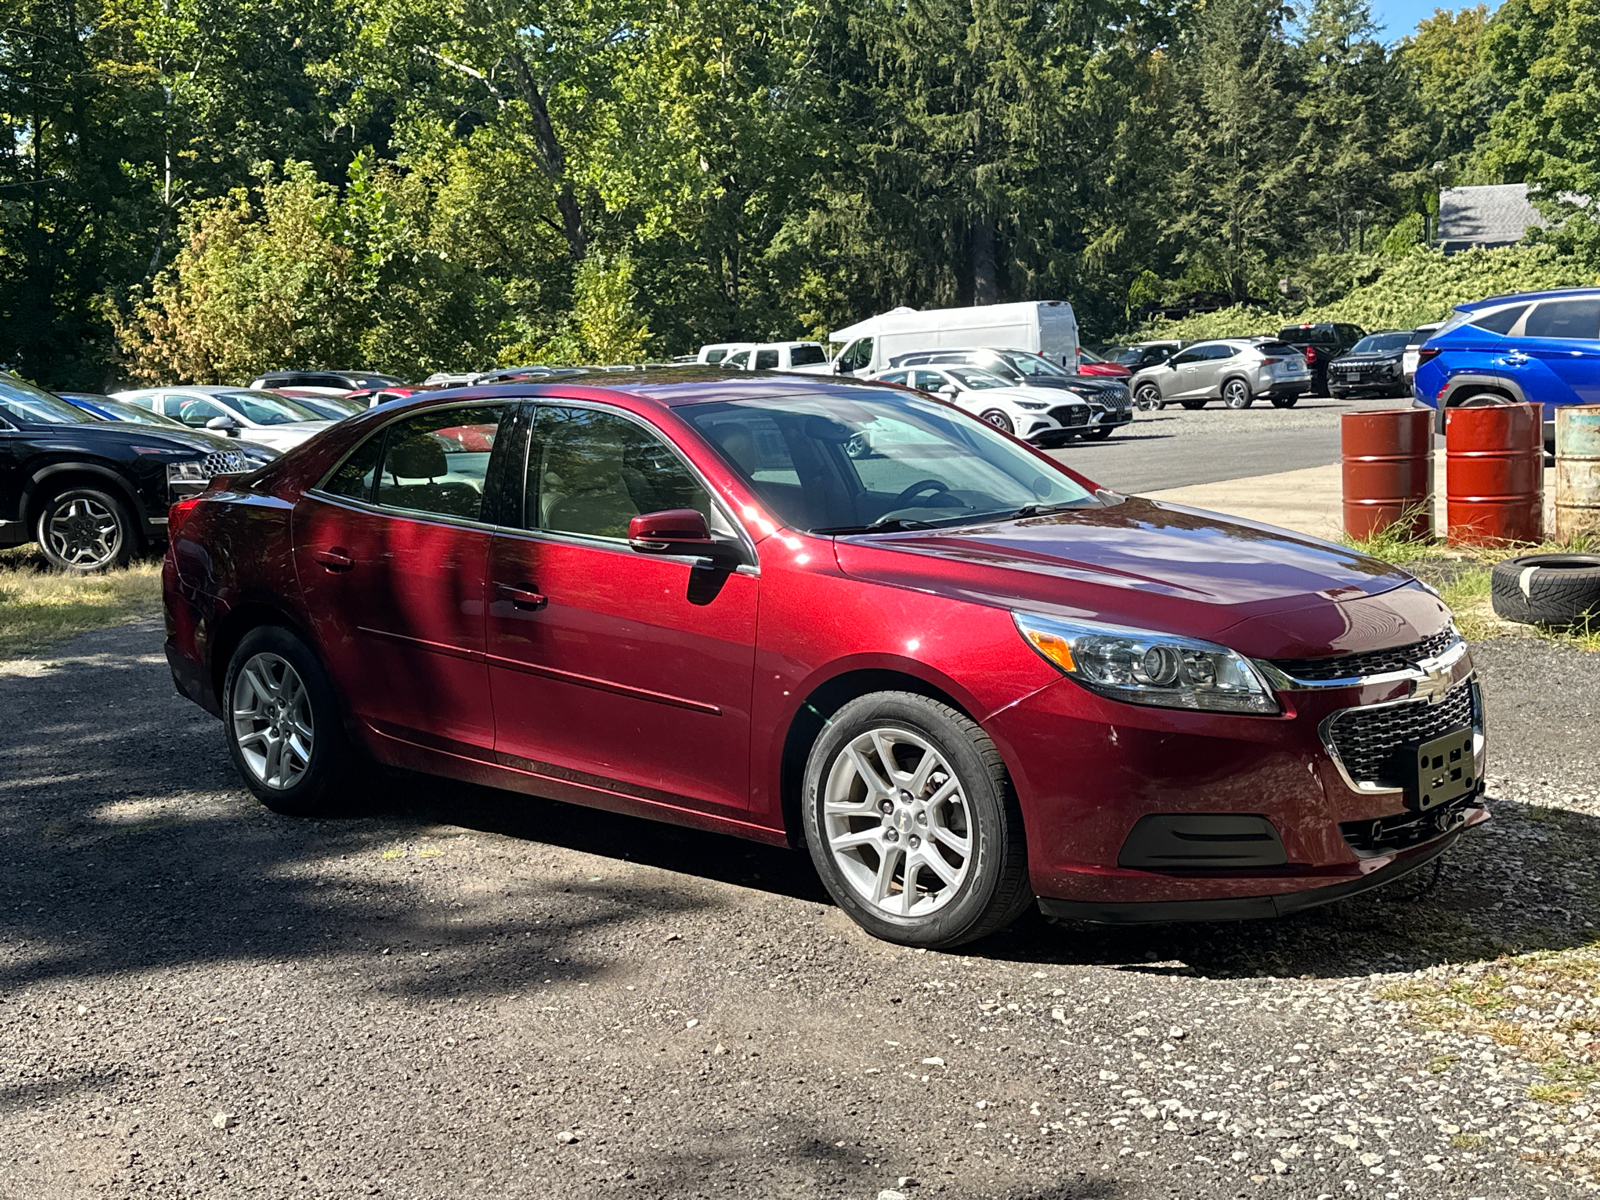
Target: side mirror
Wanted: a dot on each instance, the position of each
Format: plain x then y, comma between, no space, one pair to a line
223,425
949,391
674,531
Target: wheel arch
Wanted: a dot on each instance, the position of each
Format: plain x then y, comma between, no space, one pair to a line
1471,384
49,481
238,621
828,697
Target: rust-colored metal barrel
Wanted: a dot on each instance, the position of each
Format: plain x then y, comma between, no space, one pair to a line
1494,474
1388,471
1577,510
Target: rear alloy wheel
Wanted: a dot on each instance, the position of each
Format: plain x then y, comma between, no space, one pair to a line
1147,398
1236,394
85,530
283,724
911,823
999,420
1192,405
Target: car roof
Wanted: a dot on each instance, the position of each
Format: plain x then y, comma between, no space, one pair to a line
670,387
1527,297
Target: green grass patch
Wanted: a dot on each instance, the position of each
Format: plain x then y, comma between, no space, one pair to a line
40,607
1554,1093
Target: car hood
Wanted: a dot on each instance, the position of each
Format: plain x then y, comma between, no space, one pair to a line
123,433
1052,396
290,434
1383,356
1266,592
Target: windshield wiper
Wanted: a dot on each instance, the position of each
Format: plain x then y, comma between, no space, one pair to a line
1038,510
881,525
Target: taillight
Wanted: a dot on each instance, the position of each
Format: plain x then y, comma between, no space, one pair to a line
1269,361
1311,355
179,513
1427,354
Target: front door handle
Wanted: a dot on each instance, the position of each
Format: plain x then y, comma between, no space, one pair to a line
523,596
335,560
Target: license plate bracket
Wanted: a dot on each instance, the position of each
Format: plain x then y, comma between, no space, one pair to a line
1444,770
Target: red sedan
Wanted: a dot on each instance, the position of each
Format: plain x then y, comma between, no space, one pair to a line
835,614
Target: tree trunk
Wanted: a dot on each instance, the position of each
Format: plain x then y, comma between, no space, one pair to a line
984,288
552,159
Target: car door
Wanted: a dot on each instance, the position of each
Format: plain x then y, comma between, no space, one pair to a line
615,670
390,552
1177,379
1556,356
1209,371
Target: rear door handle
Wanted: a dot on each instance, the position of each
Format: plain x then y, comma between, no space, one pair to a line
522,596
334,560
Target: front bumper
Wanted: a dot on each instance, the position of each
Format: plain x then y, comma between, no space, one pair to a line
1110,418
1089,770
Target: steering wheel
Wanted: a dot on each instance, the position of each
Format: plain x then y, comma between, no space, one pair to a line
934,486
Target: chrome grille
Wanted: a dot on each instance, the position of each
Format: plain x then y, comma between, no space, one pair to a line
1369,662
1374,743
226,462
1116,398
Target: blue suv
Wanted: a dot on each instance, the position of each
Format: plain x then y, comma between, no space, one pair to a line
1538,347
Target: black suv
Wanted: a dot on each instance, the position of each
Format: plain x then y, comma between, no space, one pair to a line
92,493
1321,342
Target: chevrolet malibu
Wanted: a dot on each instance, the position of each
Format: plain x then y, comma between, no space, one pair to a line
964,677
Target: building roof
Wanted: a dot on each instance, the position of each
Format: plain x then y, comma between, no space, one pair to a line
1493,215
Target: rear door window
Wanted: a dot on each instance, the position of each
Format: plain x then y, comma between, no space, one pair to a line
436,462
766,360
1578,317
1501,319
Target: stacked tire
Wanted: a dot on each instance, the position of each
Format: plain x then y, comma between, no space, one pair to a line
1558,590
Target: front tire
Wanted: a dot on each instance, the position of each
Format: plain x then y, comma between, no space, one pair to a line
1147,398
912,824
1193,405
283,725
999,420
84,530
1099,434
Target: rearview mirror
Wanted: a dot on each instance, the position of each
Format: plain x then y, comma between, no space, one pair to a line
674,531
223,425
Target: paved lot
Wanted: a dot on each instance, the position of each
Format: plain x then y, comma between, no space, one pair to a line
451,992
1177,448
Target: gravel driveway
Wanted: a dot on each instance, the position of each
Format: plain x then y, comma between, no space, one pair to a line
455,993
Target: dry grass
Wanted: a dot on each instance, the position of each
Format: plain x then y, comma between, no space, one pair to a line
40,608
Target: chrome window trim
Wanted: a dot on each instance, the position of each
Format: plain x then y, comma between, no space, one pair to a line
1284,682
410,514
1479,740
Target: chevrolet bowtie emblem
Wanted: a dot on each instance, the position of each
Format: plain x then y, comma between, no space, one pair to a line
1435,681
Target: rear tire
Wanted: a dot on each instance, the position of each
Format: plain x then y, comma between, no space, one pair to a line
947,862
1559,590
1285,401
85,530
1236,394
1099,435
284,726
1192,405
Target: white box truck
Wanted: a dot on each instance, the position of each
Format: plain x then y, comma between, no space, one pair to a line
1046,327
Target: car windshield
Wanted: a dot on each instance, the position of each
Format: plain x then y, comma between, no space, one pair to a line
1381,343
35,406
1036,364
263,408
865,462
805,356
977,380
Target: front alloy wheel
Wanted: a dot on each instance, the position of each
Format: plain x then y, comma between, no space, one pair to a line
1147,398
85,530
912,824
999,420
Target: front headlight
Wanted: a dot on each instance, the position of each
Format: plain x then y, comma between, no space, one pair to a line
1141,666
1032,405
193,471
